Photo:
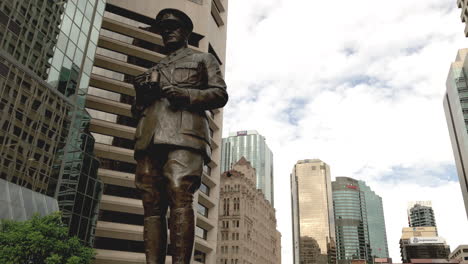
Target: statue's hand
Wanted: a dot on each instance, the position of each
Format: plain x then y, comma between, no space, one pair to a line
141,80
176,96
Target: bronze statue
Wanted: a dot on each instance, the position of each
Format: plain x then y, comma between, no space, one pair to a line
173,137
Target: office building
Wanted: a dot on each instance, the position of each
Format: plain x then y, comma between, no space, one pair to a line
126,48
456,112
247,222
422,243
375,222
421,214
352,235
313,221
460,254
251,145
46,47
463,4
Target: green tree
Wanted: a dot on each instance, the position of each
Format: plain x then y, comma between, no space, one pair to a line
41,240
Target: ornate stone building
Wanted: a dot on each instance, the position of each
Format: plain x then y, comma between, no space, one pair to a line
246,224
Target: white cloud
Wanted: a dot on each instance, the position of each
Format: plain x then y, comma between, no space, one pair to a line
358,84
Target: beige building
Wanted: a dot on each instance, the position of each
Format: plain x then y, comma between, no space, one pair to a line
125,49
422,243
312,213
460,254
427,231
463,4
247,224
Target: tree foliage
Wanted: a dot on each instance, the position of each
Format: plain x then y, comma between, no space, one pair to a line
41,240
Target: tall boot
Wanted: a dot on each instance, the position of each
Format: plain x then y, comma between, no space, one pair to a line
155,237
182,229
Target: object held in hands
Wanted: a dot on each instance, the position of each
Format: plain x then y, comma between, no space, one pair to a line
147,82
147,89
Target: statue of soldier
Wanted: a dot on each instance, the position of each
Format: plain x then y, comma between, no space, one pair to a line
173,137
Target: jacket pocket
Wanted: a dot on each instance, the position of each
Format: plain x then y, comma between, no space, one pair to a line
195,124
187,73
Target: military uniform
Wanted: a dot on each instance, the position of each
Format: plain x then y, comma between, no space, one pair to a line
172,141
184,125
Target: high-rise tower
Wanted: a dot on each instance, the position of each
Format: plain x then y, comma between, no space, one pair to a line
375,222
126,48
352,235
251,145
47,49
312,213
456,114
421,214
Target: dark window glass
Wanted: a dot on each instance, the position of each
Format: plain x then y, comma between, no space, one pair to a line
3,69
199,256
205,189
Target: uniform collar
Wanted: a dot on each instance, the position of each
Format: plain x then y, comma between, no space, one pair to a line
176,55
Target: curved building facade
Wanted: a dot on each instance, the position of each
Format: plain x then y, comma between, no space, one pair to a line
352,236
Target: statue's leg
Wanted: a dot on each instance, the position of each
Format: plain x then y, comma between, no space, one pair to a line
183,169
151,184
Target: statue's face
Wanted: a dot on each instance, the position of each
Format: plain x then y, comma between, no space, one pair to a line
173,34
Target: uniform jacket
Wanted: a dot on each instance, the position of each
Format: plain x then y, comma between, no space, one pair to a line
186,126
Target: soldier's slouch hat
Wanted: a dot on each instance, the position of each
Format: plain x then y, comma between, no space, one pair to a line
174,15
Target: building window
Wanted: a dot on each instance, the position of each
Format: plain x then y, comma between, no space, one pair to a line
203,210
199,256
200,232
205,189
207,170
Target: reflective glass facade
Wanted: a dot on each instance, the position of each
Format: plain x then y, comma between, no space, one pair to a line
312,213
456,114
375,222
52,45
352,237
34,124
252,146
28,32
80,189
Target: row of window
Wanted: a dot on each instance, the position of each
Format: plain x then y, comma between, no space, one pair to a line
226,261
225,224
225,249
225,235
226,204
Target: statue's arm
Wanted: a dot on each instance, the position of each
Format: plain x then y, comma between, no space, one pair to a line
214,95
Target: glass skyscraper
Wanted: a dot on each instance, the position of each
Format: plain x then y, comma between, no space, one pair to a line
456,114
359,219
352,235
251,145
312,213
46,56
375,222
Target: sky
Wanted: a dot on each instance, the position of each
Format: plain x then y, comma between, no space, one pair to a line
358,84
